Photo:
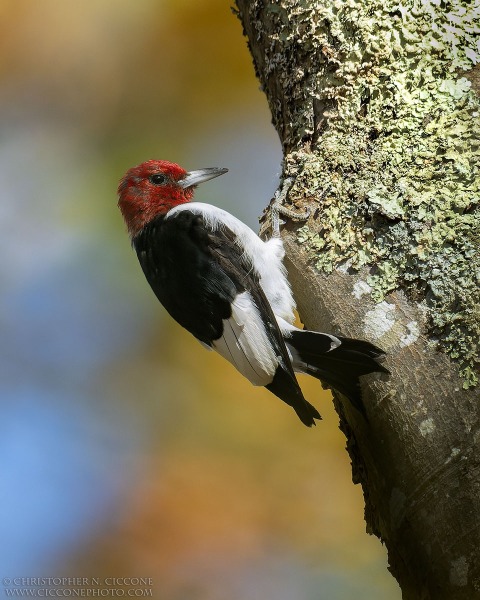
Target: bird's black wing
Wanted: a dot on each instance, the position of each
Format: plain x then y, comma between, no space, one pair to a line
197,273
177,257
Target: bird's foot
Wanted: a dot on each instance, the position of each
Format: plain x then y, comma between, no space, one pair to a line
277,208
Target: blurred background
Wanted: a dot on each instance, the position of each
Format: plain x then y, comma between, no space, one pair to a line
125,448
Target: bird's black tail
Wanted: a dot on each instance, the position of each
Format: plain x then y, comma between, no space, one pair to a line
337,365
285,386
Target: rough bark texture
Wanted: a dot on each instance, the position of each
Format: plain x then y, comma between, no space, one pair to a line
374,106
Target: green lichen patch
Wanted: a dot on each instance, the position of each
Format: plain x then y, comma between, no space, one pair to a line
394,170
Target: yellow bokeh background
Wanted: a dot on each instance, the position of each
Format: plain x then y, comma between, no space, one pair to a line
127,449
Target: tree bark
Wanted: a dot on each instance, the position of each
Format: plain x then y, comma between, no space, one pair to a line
380,132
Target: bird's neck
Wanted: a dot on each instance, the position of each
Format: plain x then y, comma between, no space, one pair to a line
138,213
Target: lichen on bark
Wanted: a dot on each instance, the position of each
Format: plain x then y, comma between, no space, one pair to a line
380,132
364,80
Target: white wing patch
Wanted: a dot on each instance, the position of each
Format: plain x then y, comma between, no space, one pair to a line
245,342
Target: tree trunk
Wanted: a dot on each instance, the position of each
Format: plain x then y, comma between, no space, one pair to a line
379,127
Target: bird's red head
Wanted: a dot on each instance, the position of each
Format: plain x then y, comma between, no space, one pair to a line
154,187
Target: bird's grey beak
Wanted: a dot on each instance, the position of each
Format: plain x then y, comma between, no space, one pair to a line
196,177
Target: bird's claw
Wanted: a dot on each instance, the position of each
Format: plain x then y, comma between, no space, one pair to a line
278,208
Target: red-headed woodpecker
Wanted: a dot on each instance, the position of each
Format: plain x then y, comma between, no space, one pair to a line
229,288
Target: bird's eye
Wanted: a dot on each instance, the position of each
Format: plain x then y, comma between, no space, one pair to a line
157,179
